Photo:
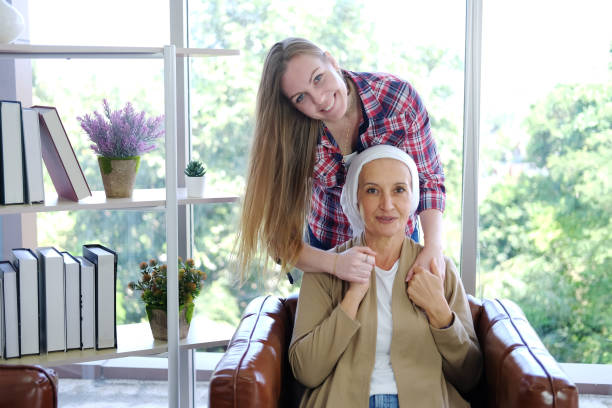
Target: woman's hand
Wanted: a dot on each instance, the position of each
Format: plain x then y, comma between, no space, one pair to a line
426,290
352,265
355,264
358,290
429,254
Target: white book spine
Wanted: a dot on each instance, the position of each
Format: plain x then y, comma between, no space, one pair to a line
2,334
11,313
28,306
106,264
73,303
87,303
55,296
32,147
106,292
12,151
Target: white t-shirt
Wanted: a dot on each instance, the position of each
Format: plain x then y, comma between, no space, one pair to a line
383,380
347,159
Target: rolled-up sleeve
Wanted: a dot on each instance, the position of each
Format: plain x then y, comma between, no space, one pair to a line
422,147
458,345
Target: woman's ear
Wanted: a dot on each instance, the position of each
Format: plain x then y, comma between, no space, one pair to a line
332,60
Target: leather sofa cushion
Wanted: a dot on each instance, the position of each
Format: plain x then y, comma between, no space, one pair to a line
514,354
252,368
24,386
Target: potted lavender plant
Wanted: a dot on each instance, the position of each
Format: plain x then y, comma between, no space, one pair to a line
119,138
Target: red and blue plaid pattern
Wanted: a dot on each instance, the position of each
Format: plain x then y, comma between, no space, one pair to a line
393,114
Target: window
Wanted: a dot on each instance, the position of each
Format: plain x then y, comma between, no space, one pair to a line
545,150
426,52
545,198
77,87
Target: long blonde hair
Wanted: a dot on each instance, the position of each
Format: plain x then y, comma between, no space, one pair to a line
281,164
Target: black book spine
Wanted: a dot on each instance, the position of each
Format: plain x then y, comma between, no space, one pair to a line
2,195
42,306
24,171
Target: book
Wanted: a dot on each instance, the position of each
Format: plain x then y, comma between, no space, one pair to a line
73,301
26,264
105,261
11,310
88,318
59,157
14,182
33,156
1,317
51,300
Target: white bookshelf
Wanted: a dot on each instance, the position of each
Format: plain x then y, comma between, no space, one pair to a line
73,51
133,339
136,340
141,199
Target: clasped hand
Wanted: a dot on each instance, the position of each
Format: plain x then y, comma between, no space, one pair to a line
426,290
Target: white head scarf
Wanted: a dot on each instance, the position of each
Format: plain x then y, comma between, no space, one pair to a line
348,199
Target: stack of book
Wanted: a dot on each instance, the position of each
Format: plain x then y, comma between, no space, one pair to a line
54,301
27,137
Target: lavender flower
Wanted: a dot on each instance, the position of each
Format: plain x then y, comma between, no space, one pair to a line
122,133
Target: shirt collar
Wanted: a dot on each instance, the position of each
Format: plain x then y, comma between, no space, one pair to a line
368,98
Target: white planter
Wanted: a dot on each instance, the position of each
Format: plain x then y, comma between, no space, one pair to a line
195,186
11,23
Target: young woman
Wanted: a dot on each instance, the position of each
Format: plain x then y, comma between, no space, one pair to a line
311,117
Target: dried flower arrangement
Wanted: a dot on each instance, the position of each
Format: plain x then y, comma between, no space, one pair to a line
122,133
119,138
153,282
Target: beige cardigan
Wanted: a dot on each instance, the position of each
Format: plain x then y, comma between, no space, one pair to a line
333,355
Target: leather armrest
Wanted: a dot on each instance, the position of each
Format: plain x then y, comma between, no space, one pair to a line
519,370
250,372
27,386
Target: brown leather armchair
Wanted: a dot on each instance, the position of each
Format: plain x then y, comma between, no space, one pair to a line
518,370
27,386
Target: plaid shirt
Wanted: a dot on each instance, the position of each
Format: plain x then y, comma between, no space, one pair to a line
393,114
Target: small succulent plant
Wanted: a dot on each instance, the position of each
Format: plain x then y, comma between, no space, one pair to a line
195,168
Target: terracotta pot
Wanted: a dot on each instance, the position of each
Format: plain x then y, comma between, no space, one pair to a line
118,175
158,320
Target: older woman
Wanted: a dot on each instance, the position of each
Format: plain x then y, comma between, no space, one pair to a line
385,342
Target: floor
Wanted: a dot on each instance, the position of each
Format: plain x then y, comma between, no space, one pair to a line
115,393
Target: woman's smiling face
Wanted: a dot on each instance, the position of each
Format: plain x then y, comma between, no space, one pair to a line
383,197
315,87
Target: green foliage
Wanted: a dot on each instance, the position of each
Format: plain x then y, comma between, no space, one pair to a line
195,168
545,228
223,99
545,233
153,283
